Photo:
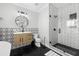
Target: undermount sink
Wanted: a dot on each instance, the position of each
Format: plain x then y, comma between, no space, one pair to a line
22,32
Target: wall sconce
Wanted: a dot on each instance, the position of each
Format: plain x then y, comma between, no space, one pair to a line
22,12
1,18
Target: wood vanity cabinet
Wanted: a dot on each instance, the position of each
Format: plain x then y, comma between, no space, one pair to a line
21,39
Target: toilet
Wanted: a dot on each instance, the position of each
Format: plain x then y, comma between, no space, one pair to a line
37,40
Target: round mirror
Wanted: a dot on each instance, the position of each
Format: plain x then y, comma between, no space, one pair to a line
21,21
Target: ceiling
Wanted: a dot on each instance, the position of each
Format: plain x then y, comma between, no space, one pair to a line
36,7
62,5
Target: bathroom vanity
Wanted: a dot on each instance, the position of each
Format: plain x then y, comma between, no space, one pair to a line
22,39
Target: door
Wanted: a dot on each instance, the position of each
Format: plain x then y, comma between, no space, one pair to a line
53,25
27,38
17,39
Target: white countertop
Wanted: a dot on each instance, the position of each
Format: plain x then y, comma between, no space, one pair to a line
21,32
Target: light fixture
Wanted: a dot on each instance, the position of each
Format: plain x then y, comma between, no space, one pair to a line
1,18
22,12
36,4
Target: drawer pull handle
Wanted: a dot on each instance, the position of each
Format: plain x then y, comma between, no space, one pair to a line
22,39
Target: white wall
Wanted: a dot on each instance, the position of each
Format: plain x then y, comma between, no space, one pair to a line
68,36
44,25
9,12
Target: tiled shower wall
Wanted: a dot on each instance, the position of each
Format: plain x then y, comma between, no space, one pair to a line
68,36
6,34
53,24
